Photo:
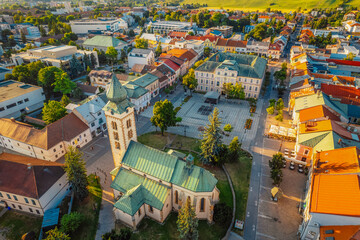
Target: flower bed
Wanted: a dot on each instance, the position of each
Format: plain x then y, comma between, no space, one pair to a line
248,123
252,109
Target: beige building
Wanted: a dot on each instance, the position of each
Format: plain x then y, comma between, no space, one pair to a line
31,185
49,143
54,56
149,182
232,68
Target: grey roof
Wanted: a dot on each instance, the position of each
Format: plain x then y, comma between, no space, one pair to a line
145,80
246,65
141,51
90,108
134,91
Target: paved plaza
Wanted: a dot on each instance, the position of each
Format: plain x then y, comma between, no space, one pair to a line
234,112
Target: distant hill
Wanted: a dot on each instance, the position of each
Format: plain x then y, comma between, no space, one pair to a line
274,4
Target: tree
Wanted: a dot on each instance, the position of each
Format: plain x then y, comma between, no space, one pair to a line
279,104
75,66
164,115
187,222
131,33
56,234
234,91
71,222
11,42
198,63
350,56
279,116
53,111
141,43
211,138
228,128
63,83
111,54
207,52
77,93
46,79
76,172
189,80
234,150
158,50
275,168
270,110
23,37
65,100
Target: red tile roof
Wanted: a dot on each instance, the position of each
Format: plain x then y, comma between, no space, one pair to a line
344,62
348,94
171,65
175,34
27,176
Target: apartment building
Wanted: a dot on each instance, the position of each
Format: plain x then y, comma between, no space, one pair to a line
49,143
140,56
164,27
31,185
233,68
17,98
84,26
54,56
260,48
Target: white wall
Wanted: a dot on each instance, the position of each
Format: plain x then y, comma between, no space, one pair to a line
53,196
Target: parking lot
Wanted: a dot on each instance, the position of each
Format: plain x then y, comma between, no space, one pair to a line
281,219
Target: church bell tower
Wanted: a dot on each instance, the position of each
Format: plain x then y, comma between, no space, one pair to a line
120,120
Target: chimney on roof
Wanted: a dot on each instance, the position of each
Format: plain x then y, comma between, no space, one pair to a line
189,161
29,166
12,119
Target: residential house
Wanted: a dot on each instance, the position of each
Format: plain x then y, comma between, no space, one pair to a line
104,42
140,56
226,31
228,45
142,68
49,143
152,39
260,48
149,82
352,27
19,98
138,96
31,185
90,112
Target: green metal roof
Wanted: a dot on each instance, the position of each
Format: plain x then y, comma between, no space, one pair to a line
103,41
168,168
245,65
150,161
145,80
138,190
134,91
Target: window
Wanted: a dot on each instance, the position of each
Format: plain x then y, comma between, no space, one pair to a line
114,125
8,196
306,152
1,194
54,149
130,134
56,156
117,145
30,209
20,102
139,212
176,197
116,136
20,207
26,200
60,146
2,109
217,83
11,105
92,124
151,209
15,198
128,123
42,151
202,205
33,202
26,99
99,113
37,211
13,205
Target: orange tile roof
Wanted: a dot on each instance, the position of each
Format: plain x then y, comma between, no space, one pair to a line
335,194
316,112
340,232
177,52
337,161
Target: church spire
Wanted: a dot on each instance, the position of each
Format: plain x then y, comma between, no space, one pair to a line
116,92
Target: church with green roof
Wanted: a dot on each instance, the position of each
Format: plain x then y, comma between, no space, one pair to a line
146,181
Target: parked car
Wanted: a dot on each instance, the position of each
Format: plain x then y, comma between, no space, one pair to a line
292,166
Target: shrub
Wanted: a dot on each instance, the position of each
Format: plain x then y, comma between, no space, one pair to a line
124,234
222,214
71,222
228,128
270,110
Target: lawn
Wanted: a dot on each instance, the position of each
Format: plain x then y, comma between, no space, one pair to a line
273,4
90,208
17,224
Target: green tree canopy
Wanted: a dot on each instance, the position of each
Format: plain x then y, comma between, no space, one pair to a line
141,43
71,222
63,83
56,234
211,138
189,80
158,50
111,54
53,111
275,165
76,172
187,222
65,100
46,79
234,91
234,150
164,115
228,127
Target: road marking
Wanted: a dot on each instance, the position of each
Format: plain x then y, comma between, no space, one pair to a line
258,174
256,203
253,163
250,189
248,214
90,154
266,187
265,175
261,200
264,235
264,216
253,227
